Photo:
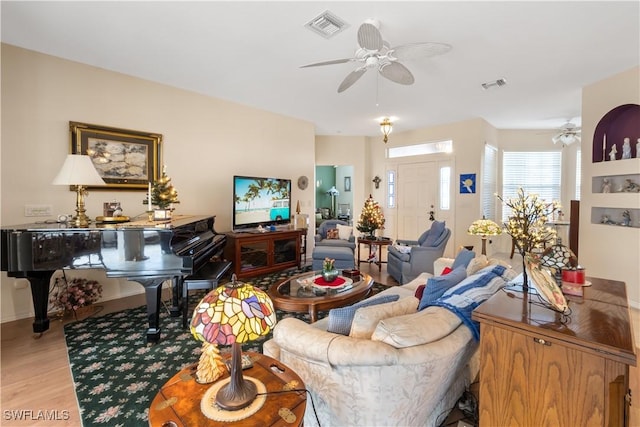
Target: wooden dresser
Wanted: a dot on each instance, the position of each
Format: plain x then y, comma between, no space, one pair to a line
537,371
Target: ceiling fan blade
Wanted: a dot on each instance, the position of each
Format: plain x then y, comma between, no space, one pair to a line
419,50
396,72
332,62
351,78
369,37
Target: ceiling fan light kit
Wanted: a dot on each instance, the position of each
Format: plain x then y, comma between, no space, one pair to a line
376,53
569,134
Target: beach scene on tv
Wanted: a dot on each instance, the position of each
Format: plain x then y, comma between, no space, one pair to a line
261,200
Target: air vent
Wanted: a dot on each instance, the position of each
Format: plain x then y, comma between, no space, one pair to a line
326,24
499,82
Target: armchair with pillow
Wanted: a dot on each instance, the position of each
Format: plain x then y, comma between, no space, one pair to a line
334,232
408,258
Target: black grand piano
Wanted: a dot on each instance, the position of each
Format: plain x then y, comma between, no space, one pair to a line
145,252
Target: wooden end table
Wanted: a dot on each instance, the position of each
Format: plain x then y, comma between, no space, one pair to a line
380,243
177,404
290,296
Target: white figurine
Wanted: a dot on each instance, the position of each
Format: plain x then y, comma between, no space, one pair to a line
626,149
606,185
626,218
638,149
612,153
630,187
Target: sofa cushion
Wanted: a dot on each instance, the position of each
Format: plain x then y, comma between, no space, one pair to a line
340,318
344,231
463,258
422,327
437,228
366,319
437,285
333,233
477,264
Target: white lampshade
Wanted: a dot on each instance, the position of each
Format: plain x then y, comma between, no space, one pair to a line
333,191
78,170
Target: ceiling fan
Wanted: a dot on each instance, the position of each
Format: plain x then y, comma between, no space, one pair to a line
376,53
567,135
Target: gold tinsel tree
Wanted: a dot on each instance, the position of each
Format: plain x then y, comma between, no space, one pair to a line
211,366
163,194
371,217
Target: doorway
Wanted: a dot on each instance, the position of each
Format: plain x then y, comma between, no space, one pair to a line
424,195
334,197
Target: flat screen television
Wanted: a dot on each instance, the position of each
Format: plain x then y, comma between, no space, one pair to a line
259,201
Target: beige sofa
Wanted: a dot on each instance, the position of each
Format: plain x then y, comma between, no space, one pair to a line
398,367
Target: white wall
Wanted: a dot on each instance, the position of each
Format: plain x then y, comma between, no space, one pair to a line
606,251
206,142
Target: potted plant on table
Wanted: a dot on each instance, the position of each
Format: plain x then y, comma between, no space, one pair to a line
329,272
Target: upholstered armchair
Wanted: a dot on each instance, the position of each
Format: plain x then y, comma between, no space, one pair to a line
347,239
408,258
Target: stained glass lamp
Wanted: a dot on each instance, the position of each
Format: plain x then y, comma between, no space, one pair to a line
234,314
483,228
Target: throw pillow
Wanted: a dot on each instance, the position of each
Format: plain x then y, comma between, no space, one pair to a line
366,319
423,327
403,249
344,231
437,285
420,292
477,264
463,258
332,233
437,228
340,318
446,271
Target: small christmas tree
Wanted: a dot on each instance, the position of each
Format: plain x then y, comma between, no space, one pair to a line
211,367
371,217
162,192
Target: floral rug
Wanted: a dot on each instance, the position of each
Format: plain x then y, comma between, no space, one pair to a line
117,374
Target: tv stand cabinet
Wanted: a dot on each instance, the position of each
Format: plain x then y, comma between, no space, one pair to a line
537,368
253,254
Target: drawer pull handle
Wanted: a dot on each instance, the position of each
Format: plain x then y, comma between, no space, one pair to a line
541,341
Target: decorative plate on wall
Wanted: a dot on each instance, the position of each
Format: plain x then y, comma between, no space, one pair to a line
303,182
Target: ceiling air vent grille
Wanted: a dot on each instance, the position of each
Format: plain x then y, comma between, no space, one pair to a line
326,24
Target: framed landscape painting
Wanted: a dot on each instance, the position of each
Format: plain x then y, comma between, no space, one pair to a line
125,159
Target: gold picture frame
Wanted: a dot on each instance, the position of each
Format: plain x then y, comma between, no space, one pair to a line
125,159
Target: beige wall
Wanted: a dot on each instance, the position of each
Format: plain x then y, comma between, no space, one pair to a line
606,251
206,142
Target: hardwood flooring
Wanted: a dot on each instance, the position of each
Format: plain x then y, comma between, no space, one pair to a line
36,387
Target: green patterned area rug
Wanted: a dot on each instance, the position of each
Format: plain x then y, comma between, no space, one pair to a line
117,374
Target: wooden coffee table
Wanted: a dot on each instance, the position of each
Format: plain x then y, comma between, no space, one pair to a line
290,295
177,404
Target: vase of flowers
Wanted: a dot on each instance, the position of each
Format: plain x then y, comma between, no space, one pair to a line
329,272
74,294
527,225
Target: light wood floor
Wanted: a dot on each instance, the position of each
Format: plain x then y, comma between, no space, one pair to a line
35,374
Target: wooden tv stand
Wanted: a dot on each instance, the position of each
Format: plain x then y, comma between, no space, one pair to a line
539,369
254,253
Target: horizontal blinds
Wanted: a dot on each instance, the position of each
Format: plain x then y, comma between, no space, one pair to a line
537,172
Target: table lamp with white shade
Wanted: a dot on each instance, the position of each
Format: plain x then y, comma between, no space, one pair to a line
78,170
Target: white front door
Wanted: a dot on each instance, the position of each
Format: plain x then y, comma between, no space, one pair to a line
420,201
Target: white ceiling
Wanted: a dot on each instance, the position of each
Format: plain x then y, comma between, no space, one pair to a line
250,53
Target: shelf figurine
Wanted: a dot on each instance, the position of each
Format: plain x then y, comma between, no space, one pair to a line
606,185
630,187
626,218
638,149
626,149
606,220
612,153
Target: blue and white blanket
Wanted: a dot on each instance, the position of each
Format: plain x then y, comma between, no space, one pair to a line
464,297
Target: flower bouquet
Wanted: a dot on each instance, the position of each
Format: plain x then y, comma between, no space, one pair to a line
70,295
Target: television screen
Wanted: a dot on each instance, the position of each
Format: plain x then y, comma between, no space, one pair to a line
260,201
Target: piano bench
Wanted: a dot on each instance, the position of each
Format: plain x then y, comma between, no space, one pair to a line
206,278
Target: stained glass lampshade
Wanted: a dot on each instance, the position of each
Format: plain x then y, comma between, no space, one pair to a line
558,257
483,228
234,314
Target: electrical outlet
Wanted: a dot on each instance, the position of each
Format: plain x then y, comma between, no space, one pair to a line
38,210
